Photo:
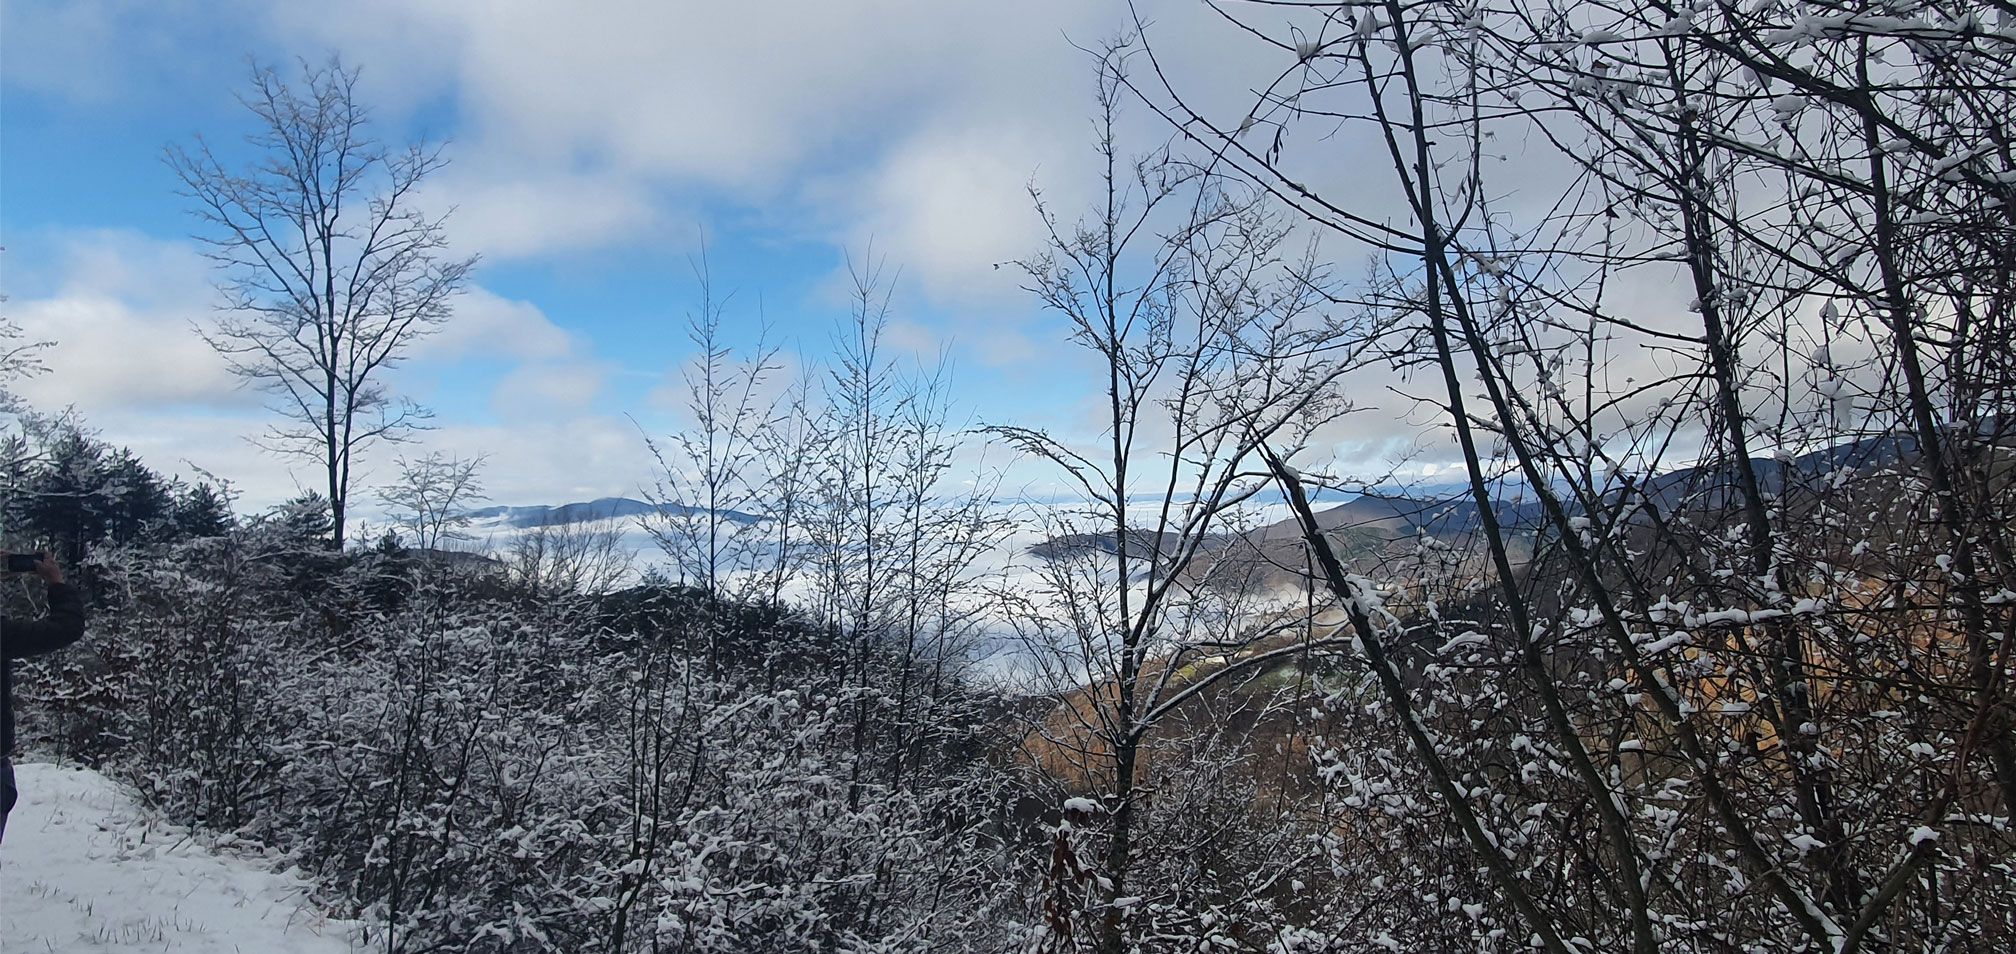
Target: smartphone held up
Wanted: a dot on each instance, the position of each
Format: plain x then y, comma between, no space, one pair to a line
24,562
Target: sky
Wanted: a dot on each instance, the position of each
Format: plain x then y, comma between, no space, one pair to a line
595,149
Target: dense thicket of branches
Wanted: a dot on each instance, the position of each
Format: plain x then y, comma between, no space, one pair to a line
473,760
1752,690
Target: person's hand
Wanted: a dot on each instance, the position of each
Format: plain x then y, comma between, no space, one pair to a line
45,568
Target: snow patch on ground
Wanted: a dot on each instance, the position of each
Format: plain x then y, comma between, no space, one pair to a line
84,868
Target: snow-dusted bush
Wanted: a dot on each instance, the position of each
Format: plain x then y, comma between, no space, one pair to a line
473,770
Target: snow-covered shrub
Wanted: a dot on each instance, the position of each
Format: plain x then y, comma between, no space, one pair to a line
474,770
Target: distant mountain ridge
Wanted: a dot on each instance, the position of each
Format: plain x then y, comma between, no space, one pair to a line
1376,525
601,508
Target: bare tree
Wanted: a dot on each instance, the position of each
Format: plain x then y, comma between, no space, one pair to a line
1210,337
329,273
431,497
891,551
556,560
18,359
712,489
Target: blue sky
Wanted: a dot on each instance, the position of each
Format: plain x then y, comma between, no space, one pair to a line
592,147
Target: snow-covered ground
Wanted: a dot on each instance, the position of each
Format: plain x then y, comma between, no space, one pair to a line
84,868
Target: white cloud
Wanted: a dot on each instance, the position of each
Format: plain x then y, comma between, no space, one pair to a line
122,315
1003,345
953,206
585,126
506,213
109,356
576,122
552,376
912,338
549,390
579,127
94,50
487,325
138,268
180,443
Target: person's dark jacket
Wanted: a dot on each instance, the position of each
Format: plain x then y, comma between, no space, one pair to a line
20,639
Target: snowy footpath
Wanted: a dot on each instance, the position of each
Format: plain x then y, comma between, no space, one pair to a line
84,868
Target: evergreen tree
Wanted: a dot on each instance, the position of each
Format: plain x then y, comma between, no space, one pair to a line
200,511
305,516
139,506
65,501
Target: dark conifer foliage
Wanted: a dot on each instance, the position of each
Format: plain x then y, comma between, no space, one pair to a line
70,493
201,510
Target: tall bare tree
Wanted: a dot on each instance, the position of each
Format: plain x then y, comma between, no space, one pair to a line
1211,337
712,481
329,272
